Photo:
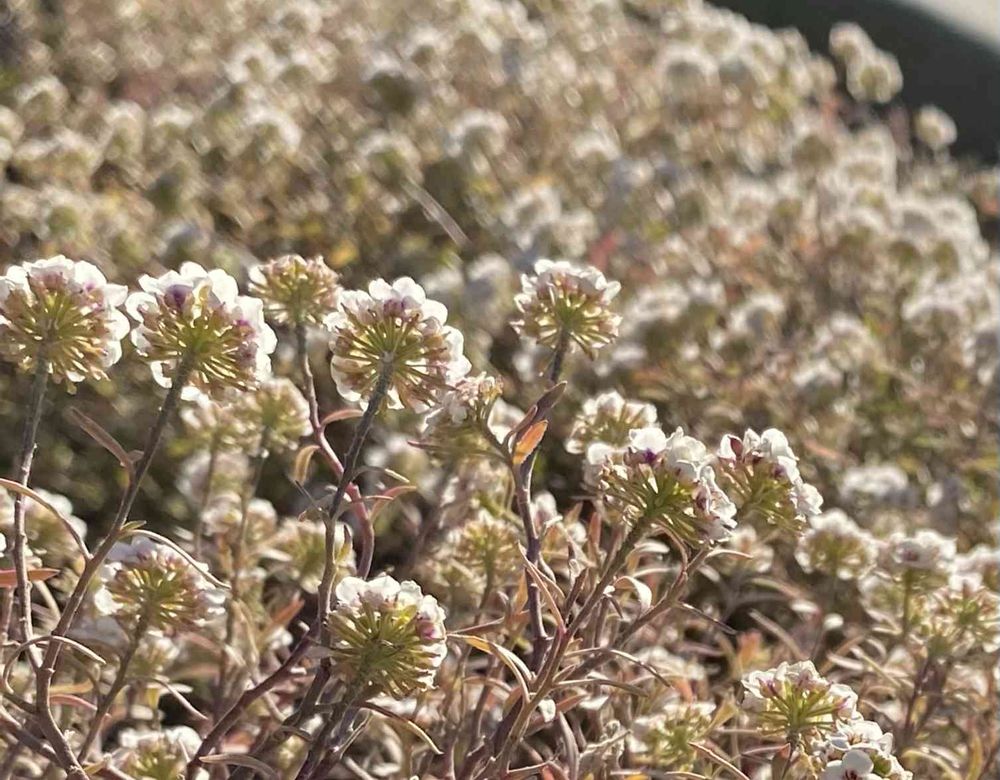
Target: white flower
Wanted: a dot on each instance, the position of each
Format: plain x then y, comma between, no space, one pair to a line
198,318
563,301
763,472
855,765
149,584
795,698
396,331
63,310
667,481
387,635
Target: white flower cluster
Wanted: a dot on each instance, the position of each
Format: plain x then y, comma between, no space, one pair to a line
196,320
396,333
65,313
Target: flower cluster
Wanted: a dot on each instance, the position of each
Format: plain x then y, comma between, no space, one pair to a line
794,700
393,339
146,583
194,325
561,303
386,636
762,472
295,291
753,235
664,481
64,315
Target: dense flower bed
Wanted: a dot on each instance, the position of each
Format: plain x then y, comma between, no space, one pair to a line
488,389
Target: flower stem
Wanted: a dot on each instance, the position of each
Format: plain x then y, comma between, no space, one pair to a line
350,468
43,683
235,589
116,687
25,459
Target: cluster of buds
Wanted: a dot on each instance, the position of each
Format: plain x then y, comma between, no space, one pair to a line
296,291
762,473
392,334
149,584
665,739
607,419
196,320
959,619
562,303
213,425
386,636
834,545
62,312
857,750
233,524
794,701
664,481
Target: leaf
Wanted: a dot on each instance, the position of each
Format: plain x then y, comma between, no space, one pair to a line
527,443
544,588
387,497
239,759
717,759
408,724
511,661
70,688
94,430
602,682
642,590
8,577
549,399
300,468
69,700
339,416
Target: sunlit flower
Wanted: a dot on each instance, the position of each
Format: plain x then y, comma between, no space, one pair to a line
793,699
762,473
563,302
198,320
386,635
295,290
395,332
864,736
608,418
146,583
64,312
666,482
464,418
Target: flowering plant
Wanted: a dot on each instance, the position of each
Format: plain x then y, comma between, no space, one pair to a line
376,489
